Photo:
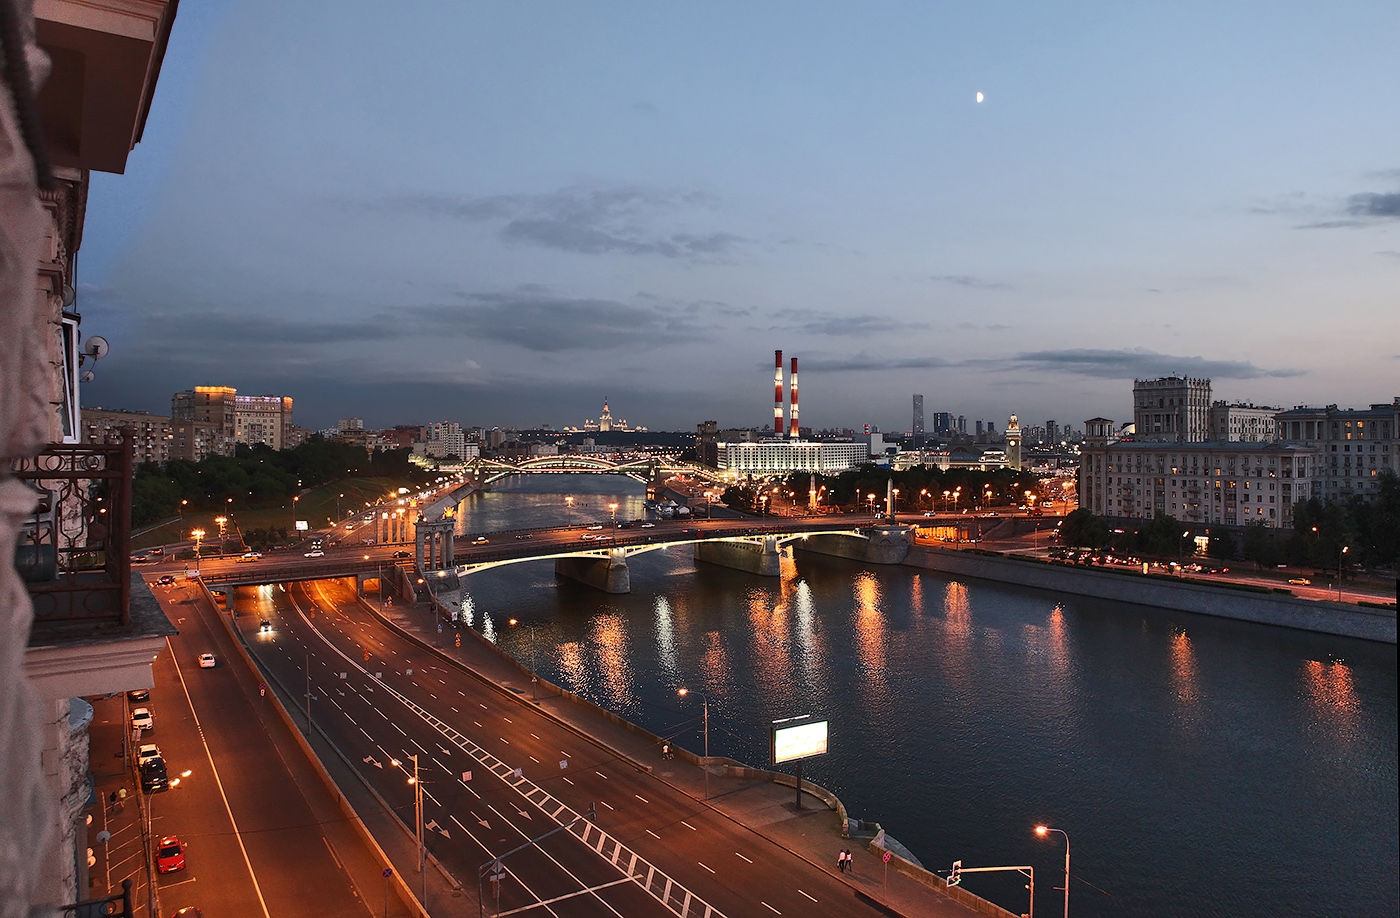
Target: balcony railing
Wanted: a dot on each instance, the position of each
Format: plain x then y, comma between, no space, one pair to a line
117,906
74,550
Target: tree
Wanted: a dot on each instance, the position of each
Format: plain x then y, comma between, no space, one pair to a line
1083,529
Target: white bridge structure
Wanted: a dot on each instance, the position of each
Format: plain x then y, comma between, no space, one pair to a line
646,469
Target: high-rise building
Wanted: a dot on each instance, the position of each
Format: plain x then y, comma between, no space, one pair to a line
1052,433
980,427
1173,408
263,419
918,428
942,422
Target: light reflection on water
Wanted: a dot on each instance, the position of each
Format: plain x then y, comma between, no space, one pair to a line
1202,766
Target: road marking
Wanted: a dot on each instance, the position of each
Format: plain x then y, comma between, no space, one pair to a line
804,892
454,710
462,693
604,803
535,735
332,851
477,722
482,706
641,798
396,727
567,781
367,736
769,907
507,720
504,740
706,866
653,835
565,754
737,854
535,760
601,775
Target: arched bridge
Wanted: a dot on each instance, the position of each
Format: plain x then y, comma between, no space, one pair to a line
645,469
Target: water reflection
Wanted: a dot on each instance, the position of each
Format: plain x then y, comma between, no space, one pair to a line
1183,669
610,644
869,627
665,636
1333,697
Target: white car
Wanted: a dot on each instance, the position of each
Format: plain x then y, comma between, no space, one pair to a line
314,553
596,526
206,661
648,525
142,720
147,753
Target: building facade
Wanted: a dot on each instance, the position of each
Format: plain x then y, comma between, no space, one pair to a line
1356,445
917,430
1241,423
1173,408
263,419
777,457
1013,444
151,433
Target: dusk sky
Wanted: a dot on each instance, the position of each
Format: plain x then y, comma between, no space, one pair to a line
501,213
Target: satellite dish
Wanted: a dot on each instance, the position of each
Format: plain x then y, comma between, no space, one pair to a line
87,376
70,296
96,347
103,837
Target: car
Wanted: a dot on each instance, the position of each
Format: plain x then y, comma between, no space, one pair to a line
153,777
403,554
368,541
142,720
140,559
264,625
148,752
189,911
249,557
596,526
349,525
524,536
167,580
207,661
480,540
170,855
314,553
588,537
369,517
157,551
1301,581
648,525
137,696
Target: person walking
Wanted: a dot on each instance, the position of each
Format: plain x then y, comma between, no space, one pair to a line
841,860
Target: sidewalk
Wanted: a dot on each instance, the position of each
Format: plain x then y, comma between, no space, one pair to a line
755,801
117,810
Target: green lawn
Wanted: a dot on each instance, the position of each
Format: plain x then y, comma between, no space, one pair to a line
318,506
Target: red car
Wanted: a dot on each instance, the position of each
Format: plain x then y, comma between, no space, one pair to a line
170,856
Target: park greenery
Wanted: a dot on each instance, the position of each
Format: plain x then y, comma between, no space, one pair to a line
1369,531
257,476
920,489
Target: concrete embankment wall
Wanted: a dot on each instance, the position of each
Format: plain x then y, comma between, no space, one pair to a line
1165,593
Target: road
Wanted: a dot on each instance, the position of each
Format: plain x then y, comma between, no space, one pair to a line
382,699
248,814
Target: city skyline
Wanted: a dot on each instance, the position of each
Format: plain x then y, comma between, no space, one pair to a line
491,214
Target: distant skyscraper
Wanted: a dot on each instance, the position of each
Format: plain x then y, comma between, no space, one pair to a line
918,429
942,422
981,425
1052,432
962,424
605,419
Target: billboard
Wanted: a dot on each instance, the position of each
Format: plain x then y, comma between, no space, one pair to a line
796,738
301,526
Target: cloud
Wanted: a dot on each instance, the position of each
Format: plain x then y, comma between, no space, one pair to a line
863,362
1375,205
967,280
1138,363
1389,253
588,221
841,326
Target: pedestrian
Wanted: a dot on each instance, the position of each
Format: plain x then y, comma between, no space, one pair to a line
841,860
665,750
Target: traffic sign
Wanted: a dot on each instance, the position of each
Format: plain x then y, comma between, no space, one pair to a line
388,872
886,857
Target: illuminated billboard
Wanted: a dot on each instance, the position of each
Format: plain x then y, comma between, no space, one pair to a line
797,738
301,526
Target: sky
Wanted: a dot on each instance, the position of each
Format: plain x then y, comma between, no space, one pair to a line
504,213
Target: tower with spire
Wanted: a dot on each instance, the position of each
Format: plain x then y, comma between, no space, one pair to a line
605,419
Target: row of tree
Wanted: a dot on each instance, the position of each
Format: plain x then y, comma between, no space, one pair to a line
256,476
919,488
1325,534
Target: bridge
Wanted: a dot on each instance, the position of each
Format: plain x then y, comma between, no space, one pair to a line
597,558
646,469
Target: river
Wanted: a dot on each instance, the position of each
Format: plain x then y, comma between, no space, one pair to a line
1199,766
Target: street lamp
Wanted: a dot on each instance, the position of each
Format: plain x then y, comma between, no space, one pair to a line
1340,555
418,817
534,670
946,495
871,497
569,509
197,535
1043,832
705,706
612,508
222,521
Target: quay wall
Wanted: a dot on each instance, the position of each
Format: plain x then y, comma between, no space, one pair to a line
1346,620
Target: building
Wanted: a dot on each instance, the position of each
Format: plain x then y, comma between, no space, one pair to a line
87,626
215,407
1235,484
781,456
918,429
1013,444
151,433
1241,423
1052,432
1356,445
263,419
1173,408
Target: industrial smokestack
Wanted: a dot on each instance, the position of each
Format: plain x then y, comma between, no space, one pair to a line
792,402
778,393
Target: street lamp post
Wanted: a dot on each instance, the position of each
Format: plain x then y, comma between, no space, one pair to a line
569,510
946,495
418,818
534,669
612,508
1043,832
1340,555
705,706
198,535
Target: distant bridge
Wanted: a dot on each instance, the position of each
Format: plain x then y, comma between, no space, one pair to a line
645,469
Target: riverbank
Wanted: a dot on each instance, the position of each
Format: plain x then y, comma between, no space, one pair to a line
1241,604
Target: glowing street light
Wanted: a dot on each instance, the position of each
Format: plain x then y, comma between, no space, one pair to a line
946,495
222,521
705,706
418,813
197,535
1340,556
569,505
612,508
534,669
1044,832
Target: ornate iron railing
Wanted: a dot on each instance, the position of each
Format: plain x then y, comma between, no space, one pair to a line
118,906
74,550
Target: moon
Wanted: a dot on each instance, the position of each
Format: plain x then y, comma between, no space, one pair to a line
980,97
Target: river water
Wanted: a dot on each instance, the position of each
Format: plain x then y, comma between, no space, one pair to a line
1200,766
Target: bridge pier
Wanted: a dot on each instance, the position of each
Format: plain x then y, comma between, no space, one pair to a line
761,558
608,574
884,544
433,544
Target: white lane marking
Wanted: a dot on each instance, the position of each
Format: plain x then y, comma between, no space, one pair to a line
352,720
535,735
367,736
601,775
653,835
454,710
482,706
706,866
477,722
804,892
535,760
507,720
604,803
769,907
737,854
565,754
689,826
397,727
641,798
504,740
568,782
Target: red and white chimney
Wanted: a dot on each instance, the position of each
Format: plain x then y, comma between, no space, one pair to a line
792,402
778,393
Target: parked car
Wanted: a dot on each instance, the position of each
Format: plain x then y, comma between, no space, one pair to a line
403,554
170,855
167,580
146,753
137,696
153,777
142,720
207,661
249,556
1301,581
